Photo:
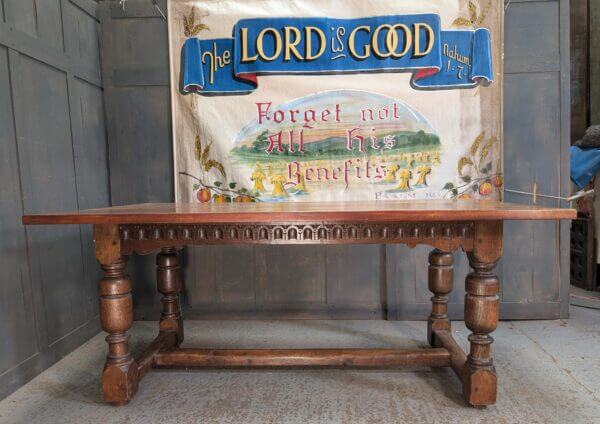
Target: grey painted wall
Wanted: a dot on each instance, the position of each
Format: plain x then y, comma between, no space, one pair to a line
53,156
346,281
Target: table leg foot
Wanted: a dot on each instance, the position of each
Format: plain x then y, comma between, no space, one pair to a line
170,283
440,284
120,382
120,375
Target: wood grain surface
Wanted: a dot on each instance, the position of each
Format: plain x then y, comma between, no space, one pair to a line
381,211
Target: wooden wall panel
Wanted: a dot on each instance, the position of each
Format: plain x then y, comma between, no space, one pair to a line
354,281
540,93
580,68
81,35
49,23
291,275
532,34
20,14
53,156
91,171
362,290
16,307
48,183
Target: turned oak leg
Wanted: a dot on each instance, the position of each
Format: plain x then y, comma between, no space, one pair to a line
481,315
120,375
440,284
169,282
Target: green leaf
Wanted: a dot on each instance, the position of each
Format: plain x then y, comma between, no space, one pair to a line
449,186
227,199
243,190
196,186
455,192
475,187
232,185
218,183
466,179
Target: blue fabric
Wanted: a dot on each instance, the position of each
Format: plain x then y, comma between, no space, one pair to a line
584,165
455,58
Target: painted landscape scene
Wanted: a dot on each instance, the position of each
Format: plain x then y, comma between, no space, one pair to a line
334,144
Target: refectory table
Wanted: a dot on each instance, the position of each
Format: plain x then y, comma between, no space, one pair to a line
473,226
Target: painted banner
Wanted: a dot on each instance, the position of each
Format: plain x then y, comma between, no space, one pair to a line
323,45
387,99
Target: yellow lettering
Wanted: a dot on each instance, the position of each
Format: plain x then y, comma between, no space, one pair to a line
390,44
259,44
245,57
226,57
407,41
322,42
351,42
290,46
212,66
430,36
215,61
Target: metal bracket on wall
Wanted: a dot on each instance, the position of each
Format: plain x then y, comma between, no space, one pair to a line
155,3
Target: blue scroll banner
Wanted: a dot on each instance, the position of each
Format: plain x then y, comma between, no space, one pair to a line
438,59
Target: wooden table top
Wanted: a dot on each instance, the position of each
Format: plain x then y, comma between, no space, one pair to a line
371,211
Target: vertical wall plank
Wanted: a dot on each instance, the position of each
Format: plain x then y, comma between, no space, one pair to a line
400,281
81,35
21,15
91,171
17,328
580,67
362,290
524,166
49,23
292,275
564,240
537,111
49,185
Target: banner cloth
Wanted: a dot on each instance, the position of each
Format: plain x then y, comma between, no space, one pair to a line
310,100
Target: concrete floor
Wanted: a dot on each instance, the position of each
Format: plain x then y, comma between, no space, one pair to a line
549,372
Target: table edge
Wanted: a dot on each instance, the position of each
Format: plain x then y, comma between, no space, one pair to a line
337,216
